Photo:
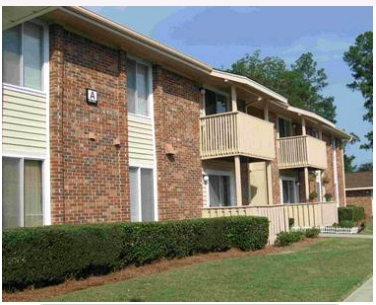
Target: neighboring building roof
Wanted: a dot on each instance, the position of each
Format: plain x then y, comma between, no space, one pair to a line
113,32
359,181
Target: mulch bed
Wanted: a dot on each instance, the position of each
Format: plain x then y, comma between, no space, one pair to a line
33,295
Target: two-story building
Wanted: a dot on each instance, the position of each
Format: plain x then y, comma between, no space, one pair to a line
103,124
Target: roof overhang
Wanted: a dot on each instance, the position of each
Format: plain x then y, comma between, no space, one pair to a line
15,15
363,188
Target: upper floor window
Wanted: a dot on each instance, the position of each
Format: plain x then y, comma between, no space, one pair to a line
138,87
23,56
284,127
215,103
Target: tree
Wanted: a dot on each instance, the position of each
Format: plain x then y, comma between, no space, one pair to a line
365,167
348,159
360,60
302,84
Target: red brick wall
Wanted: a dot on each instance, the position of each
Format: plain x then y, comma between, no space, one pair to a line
177,112
361,198
341,173
89,178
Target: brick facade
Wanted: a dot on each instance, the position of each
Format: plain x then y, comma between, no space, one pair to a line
89,175
177,112
361,198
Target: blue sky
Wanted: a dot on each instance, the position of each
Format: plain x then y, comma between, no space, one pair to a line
219,36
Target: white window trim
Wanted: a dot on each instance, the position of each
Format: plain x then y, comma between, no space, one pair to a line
45,66
138,166
211,172
46,208
295,180
150,87
286,119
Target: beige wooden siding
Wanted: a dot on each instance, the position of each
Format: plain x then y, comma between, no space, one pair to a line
140,140
24,121
258,183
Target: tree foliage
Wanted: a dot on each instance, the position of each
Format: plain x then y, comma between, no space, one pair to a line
359,57
365,167
302,83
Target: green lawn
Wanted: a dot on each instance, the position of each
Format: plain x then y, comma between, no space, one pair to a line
368,230
326,271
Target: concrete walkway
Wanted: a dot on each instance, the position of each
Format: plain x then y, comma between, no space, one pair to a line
363,294
346,235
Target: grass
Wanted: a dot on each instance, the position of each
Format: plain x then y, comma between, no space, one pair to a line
326,271
368,229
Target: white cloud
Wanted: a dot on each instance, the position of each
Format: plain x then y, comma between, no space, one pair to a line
295,49
325,45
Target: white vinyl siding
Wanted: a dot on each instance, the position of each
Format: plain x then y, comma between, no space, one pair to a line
140,140
24,121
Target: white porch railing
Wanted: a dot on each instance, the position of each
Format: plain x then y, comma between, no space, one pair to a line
304,214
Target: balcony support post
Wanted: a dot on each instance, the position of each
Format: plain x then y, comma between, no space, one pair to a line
306,184
238,182
303,127
268,163
234,104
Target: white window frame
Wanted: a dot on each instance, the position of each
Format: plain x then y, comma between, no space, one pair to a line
139,166
210,172
45,183
295,180
45,66
286,119
319,189
150,99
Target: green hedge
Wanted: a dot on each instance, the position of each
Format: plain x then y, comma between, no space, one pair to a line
49,255
351,212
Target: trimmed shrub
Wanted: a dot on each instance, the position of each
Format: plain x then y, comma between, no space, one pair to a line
311,232
351,212
287,238
291,222
346,224
48,255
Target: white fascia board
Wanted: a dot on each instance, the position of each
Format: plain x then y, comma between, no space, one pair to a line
246,81
365,188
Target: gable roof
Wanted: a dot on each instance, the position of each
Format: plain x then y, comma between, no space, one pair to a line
359,180
109,32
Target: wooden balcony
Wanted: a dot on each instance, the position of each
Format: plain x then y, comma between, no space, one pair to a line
301,151
234,134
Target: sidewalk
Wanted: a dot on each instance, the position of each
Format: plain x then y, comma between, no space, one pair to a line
363,294
346,235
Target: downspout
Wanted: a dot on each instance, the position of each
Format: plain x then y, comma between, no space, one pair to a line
335,171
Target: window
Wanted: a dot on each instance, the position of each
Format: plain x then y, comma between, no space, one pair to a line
290,190
142,194
220,189
215,103
23,56
22,193
138,88
284,128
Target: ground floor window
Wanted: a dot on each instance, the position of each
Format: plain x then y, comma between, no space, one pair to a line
142,194
22,193
220,187
290,191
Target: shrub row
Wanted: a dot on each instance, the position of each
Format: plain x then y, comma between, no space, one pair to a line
351,213
287,238
49,255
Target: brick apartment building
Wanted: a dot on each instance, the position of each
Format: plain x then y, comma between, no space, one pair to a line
102,124
359,191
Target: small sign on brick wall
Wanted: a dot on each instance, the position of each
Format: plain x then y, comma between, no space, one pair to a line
91,96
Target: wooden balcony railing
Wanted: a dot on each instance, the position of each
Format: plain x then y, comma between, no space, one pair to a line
236,133
301,151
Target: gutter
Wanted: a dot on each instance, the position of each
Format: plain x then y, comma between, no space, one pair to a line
135,37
